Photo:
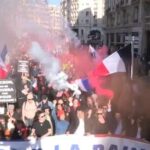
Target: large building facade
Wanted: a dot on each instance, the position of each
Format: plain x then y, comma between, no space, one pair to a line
84,16
43,2
36,11
39,12
55,18
125,19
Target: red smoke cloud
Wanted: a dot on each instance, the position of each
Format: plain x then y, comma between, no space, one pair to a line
98,84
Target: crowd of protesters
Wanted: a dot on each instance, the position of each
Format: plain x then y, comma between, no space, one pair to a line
42,111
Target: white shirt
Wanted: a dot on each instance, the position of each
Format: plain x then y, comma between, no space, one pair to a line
80,129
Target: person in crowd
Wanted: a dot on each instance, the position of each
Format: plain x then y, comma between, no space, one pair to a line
35,70
11,117
61,124
70,101
2,126
89,119
48,115
29,110
51,92
45,103
25,90
80,130
109,116
59,109
119,124
139,128
100,124
41,85
131,126
22,84
66,116
73,119
41,127
145,128
20,132
94,97
90,102
34,86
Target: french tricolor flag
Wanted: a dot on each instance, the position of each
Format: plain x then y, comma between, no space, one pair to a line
3,67
119,61
84,84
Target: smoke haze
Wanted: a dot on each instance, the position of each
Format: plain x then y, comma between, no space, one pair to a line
29,21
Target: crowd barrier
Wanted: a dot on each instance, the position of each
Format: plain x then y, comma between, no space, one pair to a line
74,142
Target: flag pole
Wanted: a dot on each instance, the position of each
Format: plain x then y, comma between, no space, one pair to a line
132,57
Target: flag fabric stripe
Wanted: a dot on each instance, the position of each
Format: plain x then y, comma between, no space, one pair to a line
116,62
3,73
101,70
3,53
125,53
3,66
84,84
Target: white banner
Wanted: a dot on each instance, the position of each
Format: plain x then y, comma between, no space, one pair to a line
73,142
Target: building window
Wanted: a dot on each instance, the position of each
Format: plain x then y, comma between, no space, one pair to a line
125,17
107,39
135,34
122,2
118,38
95,19
87,13
126,1
112,37
135,14
95,23
118,18
134,1
82,32
87,21
124,35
